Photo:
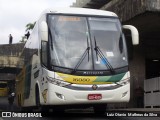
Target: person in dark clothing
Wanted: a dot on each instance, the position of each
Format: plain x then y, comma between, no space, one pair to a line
27,35
10,39
11,100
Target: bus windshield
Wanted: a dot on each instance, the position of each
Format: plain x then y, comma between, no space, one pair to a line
71,36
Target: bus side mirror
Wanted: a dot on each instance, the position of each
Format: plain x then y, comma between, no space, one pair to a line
134,33
44,31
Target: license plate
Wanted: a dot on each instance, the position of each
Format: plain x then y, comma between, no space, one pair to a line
94,96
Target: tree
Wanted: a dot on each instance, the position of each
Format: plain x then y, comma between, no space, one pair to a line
23,39
29,27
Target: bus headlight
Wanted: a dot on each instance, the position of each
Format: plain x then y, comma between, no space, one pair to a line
123,82
57,82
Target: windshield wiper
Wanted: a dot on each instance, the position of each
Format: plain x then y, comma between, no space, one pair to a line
82,58
102,56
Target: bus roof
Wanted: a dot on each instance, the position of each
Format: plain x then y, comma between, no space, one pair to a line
80,11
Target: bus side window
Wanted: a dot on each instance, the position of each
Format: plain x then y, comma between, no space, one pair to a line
44,53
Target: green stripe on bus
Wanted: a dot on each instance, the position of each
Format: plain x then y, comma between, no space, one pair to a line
114,78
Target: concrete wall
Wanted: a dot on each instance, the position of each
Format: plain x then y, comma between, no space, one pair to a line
8,61
152,5
9,54
152,93
127,9
80,3
137,70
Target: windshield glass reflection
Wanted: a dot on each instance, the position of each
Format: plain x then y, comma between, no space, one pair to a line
70,36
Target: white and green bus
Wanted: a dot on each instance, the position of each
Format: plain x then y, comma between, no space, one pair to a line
75,56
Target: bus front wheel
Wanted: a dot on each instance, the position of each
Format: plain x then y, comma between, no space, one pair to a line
37,97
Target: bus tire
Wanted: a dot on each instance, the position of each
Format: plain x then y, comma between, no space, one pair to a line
37,97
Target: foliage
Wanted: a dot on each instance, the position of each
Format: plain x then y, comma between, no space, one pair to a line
23,39
29,27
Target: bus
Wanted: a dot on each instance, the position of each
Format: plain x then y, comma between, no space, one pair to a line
3,88
75,56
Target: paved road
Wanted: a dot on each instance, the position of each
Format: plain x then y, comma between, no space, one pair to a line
72,114
4,106
3,103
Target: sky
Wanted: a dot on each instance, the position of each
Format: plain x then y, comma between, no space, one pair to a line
16,14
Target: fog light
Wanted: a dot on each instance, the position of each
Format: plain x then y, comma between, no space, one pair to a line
60,96
124,94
